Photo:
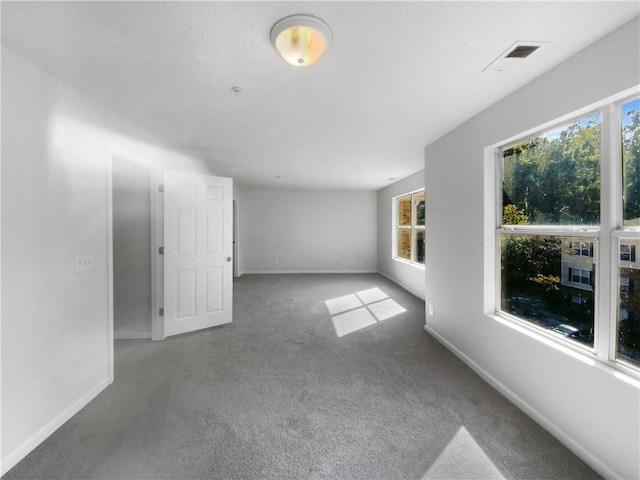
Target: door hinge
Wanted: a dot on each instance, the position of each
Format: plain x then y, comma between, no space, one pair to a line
160,188
161,312
161,250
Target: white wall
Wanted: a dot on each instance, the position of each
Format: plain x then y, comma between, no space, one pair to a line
592,408
410,277
56,347
306,231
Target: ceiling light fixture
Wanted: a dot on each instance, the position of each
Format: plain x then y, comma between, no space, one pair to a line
301,39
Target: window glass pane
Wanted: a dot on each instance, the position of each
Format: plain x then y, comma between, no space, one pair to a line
554,178
404,243
418,245
628,348
404,211
631,162
544,283
418,204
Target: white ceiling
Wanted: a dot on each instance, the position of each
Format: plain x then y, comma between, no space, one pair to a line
397,76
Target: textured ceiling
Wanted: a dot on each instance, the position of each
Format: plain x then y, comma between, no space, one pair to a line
397,76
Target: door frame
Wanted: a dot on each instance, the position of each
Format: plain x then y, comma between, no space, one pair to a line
156,269
236,240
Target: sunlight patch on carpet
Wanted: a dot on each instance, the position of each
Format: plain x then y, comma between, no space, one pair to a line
463,459
386,309
352,321
371,295
353,312
343,304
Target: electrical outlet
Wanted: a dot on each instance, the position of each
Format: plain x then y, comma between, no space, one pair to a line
355,261
276,261
431,310
83,263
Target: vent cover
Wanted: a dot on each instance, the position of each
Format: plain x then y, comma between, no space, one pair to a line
522,51
513,56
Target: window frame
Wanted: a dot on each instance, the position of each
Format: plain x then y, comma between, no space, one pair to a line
606,236
413,228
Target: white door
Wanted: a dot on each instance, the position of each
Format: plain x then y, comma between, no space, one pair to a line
198,244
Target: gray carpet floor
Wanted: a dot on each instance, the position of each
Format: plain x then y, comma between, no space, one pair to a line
318,377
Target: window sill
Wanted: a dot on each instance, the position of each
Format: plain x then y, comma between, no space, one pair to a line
583,354
409,263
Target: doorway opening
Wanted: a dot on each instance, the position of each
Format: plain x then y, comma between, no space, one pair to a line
135,230
131,223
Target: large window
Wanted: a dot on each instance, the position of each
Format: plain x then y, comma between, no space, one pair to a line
569,228
410,227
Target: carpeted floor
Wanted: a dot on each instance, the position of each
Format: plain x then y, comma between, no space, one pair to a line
319,376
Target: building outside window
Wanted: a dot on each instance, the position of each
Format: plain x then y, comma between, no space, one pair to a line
409,228
558,240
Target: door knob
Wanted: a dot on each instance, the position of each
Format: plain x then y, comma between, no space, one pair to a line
228,259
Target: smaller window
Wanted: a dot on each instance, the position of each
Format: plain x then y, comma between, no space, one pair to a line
584,249
627,253
579,275
625,283
410,227
578,300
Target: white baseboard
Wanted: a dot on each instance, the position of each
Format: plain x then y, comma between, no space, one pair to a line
289,272
12,459
585,455
131,335
420,295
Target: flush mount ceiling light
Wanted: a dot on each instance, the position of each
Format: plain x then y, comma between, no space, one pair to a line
301,39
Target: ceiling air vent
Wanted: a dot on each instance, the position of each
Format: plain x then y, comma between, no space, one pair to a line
522,51
513,56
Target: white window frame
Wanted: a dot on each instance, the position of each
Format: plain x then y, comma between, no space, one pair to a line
606,236
412,228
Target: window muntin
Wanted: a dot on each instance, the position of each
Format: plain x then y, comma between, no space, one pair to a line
548,212
410,227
